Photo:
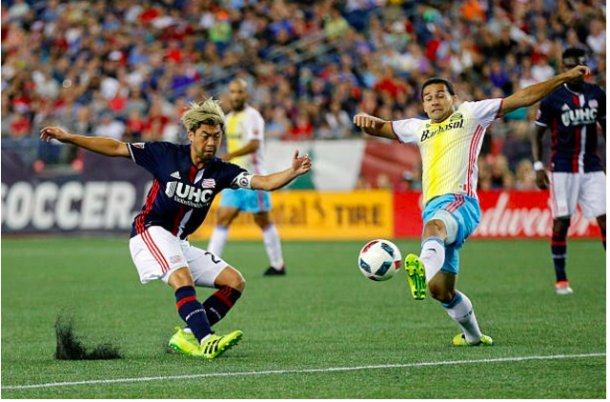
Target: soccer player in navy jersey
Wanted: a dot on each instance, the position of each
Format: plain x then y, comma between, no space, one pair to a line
572,113
186,180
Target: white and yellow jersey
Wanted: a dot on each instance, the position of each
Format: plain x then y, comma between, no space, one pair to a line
449,150
242,127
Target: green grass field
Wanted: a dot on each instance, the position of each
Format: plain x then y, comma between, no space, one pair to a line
323,331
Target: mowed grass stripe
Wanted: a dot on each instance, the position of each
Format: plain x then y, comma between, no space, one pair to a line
301,371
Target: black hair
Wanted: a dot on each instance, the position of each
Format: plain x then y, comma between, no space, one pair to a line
438,80
574,54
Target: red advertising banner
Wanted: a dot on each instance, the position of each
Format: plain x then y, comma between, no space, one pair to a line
514,214
407,214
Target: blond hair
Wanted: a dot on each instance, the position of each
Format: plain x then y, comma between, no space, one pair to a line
208,112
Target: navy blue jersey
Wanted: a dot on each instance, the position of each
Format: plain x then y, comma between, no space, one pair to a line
181,194
572,118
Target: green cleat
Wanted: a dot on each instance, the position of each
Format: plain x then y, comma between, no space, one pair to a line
485,340
417,276
215,345
184,342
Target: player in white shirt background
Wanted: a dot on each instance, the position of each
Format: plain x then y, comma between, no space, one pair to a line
450,142
245,133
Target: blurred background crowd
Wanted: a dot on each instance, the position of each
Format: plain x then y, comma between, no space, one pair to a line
126,69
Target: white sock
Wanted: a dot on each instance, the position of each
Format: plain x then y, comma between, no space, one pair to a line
204,338
460,310
218,240
271,237
432,255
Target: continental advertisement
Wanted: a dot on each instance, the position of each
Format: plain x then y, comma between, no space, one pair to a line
311,215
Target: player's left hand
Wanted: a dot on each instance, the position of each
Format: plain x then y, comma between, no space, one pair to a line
301,164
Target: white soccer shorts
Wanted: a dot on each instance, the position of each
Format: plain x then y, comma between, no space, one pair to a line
157,253
586,189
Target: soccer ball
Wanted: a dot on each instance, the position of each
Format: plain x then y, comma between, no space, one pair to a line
379,260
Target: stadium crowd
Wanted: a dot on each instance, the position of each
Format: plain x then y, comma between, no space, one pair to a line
126,69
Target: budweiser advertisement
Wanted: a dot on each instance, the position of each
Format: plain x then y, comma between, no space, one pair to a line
514,214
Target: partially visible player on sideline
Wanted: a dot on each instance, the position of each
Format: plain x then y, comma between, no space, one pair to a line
450,142
572,113
186,180
245,132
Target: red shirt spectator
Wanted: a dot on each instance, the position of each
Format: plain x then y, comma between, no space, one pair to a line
149,15
117,104
302,130
20,126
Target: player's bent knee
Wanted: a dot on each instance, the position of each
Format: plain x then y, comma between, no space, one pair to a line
239,283
445,224
232,278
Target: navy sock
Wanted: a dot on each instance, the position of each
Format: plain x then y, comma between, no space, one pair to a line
192,312
559,250
604,238
219,304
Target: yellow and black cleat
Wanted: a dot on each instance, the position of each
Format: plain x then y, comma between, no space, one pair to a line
417,276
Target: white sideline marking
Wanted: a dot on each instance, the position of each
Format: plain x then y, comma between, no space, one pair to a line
296,371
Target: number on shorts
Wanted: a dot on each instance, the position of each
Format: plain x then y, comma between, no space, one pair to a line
213,257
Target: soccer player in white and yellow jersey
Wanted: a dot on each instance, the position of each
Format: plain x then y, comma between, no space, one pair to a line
245,133
450,142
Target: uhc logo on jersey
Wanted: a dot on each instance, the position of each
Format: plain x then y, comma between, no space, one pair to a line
188,195
455,121
580,116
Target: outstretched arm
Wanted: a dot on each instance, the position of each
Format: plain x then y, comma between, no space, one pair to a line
534,93
300,166
374,125
100,145
542,179
250,147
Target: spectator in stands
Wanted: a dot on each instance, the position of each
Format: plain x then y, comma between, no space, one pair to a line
302,129
119,58
596,40
525,178
338,121
109,126
279,125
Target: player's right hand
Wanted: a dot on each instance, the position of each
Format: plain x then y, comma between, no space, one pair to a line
365,120
578,73
48,133
542,179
